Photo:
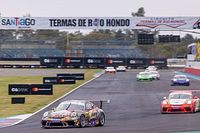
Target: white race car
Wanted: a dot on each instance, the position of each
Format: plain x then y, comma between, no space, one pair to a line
110,70
155,74
151,68
121,69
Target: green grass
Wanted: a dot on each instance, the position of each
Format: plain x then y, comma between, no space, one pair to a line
33,102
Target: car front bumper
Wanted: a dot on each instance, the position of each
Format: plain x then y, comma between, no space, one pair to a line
185,108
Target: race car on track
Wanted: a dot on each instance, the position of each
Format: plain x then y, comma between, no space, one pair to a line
121,69
110,70
144,76
155,74
180,80
180,101
74,113
151,68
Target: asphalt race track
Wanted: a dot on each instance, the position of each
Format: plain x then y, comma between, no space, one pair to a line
134,107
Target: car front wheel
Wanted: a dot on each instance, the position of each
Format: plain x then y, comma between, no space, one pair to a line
82,121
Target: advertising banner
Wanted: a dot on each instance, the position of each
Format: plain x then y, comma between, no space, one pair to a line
50,80
30,89
100,23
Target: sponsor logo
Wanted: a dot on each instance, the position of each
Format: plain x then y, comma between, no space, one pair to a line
110,61
18,22
136,62
93,61
72,60
35,89
156,62
19,89
50,60
156,22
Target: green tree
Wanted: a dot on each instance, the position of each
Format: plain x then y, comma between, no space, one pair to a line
187,39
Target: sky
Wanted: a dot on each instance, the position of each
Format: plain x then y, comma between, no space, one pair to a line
98,8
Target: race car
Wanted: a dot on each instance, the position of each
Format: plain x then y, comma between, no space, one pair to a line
155,74
121,69
151,68
180,80
74,113
180,101
144,76
110,70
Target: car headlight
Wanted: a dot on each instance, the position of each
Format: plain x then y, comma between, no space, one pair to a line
189,102
73,114
164,102
187,80
45,114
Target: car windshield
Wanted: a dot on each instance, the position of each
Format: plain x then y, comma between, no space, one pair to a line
152,67
180,96
154,72
69,106
144,74
180,77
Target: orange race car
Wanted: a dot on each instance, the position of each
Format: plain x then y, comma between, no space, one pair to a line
181,101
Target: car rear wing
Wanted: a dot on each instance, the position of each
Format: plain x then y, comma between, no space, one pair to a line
99,103
185,90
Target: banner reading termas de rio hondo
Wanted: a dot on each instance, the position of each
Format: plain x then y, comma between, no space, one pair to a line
100,23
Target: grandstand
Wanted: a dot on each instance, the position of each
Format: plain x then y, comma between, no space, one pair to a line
81,48
109,48
29,49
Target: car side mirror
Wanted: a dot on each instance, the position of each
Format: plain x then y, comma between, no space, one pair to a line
164,98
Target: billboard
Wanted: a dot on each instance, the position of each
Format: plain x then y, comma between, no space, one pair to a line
99,23
30,89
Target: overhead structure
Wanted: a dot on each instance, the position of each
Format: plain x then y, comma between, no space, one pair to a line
99,23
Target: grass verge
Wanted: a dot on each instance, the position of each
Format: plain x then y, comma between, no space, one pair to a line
33,102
